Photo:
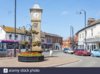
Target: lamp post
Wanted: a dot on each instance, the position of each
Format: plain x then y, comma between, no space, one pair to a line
15,28
72,36
84,12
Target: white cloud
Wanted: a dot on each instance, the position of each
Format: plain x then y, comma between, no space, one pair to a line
64,13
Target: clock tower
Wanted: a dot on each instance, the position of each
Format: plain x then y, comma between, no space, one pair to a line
36,13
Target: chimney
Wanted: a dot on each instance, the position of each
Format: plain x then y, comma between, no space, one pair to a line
23,28
90,21
3,26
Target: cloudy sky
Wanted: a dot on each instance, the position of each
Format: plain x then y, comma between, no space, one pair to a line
57,16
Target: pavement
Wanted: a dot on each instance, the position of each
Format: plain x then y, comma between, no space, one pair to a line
85,61
50,61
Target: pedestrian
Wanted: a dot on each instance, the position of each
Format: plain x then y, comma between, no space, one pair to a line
51,51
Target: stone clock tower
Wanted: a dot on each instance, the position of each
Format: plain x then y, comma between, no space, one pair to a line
36,13
35,54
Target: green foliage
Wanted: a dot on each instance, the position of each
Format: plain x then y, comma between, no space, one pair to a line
34,32
37,43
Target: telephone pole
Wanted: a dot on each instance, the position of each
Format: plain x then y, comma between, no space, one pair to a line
15,28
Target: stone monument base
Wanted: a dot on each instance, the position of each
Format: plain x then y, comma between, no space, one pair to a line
31,56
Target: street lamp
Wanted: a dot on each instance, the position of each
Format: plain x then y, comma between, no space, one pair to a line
84,12
15,27
72,36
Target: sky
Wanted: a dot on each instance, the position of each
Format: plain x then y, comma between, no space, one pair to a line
57,17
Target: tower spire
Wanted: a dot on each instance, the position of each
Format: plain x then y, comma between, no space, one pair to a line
36,5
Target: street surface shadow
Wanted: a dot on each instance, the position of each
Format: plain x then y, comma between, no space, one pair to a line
50,56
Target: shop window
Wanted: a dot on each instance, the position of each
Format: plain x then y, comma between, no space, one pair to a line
0,45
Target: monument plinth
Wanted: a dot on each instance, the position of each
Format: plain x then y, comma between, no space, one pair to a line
35,55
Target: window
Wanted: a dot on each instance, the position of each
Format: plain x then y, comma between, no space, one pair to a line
22,37
85,33
16,36
80,36
0,45
94,46
30,39
48,40
12,45
10,36
91,32
9,46
0,30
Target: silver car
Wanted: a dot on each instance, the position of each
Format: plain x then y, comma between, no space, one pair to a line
3,53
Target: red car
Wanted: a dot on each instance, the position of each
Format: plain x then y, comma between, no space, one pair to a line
82,52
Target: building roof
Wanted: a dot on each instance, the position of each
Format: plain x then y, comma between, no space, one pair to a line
12,30
21,31
55,35
92,24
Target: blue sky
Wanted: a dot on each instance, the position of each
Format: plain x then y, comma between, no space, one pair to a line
57,16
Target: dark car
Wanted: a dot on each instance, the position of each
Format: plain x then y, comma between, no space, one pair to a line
82,52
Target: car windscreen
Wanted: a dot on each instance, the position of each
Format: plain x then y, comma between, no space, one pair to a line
66,49
96,50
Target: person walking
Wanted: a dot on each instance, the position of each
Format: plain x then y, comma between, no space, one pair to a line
51,51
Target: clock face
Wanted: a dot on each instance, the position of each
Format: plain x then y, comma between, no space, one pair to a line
35,25
36,15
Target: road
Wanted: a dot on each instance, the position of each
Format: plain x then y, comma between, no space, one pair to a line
85,61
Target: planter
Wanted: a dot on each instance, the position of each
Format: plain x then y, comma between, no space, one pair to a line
37,43
34,32
30,58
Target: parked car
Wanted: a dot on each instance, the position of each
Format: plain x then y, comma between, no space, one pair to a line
95,52
65,50
3,53
70,51
46,50
75,50
82,52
